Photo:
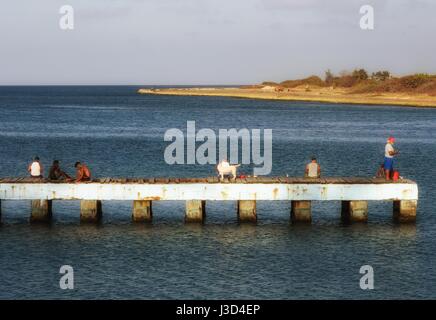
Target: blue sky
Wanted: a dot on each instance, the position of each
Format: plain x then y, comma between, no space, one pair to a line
210,41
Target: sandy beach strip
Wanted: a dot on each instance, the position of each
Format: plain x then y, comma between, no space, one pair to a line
327,95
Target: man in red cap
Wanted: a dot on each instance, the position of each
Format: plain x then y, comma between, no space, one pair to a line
390,152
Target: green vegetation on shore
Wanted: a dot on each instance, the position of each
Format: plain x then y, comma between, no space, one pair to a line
359,81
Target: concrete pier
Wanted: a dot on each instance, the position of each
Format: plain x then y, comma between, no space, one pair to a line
247,211
90,211
195,211
142,211
405,210
354,192
354,211
301,211
41,211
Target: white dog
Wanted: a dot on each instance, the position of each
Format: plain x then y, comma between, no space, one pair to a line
225,168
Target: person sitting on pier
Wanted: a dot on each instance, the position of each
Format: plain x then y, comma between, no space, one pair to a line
390,152
82,172
225,168
313,169
35,168
55,172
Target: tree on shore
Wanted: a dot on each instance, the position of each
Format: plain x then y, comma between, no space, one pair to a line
329,77
381,75
360,74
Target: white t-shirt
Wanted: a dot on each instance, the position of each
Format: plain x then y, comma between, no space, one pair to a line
388,148
312,170
35,169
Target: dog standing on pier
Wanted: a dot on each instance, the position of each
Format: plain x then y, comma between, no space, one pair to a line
225,168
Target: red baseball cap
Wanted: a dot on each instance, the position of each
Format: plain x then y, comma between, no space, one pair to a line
391,139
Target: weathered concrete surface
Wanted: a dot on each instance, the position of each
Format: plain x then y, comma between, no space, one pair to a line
195,211
247,211
301,211
208,191
142,211
41,211
354,211
197,190
405,210
90,211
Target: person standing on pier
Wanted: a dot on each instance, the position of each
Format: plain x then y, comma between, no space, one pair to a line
82,172
35,168
390,152
313,169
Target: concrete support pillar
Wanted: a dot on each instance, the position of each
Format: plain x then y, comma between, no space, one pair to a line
41,211
405,210
90,211
247,211
301,211
354,211
142,211
195,211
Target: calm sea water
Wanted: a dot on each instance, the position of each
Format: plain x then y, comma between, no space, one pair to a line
119,133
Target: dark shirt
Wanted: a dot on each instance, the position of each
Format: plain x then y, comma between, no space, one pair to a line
56,173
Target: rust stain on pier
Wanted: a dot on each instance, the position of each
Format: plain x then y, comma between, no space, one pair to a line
324,192
152,198
275,193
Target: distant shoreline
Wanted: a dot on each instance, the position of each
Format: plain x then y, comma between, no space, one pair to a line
327,95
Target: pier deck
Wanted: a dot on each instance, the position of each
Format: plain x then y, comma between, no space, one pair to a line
353,192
